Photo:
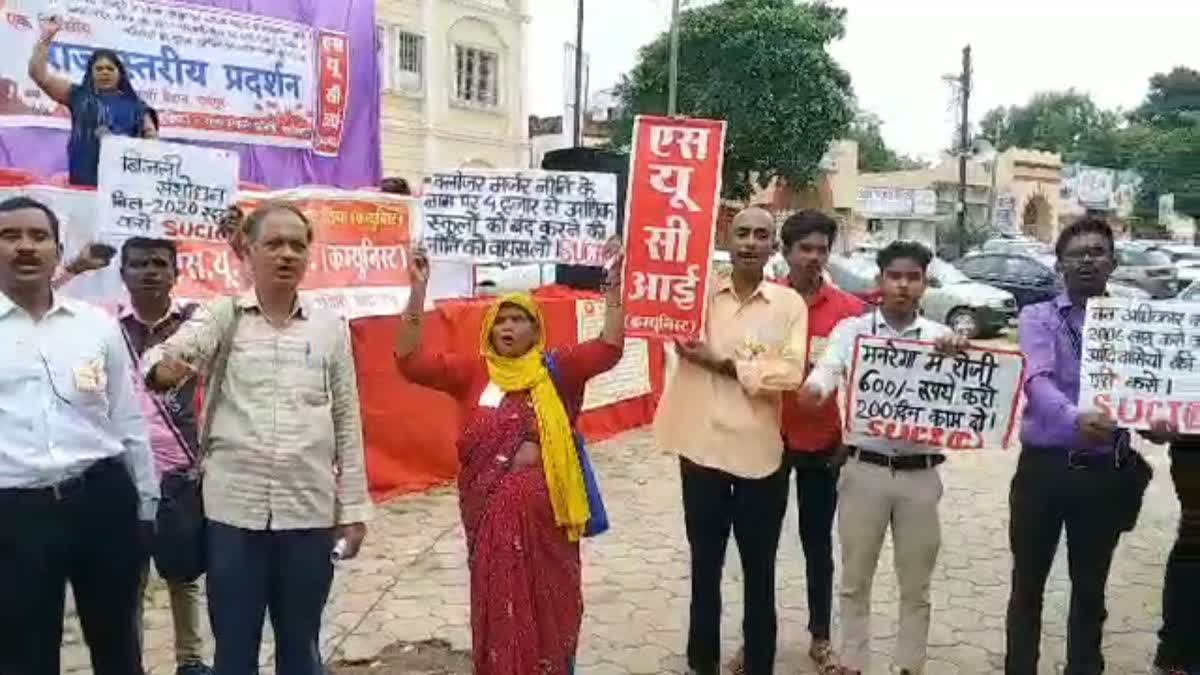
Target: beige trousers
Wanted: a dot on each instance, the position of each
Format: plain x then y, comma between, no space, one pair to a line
185,615
870,498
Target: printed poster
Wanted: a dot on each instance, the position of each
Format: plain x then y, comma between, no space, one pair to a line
630,378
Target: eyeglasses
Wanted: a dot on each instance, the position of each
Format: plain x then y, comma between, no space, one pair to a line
1094,255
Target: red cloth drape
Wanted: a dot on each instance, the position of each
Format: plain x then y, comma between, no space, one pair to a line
410,431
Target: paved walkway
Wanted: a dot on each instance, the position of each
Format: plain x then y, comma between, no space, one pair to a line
410,584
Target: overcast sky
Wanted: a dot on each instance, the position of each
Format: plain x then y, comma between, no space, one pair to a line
898,51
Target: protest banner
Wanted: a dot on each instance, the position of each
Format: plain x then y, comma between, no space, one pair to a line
905,391
520,216
163,190
629,379
213,74
1141,362
671,215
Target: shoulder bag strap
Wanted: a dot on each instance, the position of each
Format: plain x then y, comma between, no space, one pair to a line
216,375
158,404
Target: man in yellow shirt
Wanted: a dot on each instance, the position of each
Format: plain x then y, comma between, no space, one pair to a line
721,412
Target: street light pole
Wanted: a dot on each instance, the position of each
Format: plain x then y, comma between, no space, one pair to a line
964,141
673,77
578,111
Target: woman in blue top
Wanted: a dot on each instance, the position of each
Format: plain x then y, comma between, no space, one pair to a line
104,103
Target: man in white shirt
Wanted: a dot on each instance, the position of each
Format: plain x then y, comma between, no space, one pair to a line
78,492
885,482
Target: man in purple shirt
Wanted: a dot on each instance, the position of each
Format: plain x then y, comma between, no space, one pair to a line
1068,465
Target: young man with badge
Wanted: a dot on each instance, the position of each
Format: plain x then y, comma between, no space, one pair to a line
721,412
884,482
149,270
78,491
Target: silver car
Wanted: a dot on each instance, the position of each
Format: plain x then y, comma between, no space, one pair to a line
1148,269
970,308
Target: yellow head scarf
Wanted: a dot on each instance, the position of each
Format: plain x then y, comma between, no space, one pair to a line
560,458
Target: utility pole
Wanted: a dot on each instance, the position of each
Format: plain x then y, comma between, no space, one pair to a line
673,77
578,112
964,142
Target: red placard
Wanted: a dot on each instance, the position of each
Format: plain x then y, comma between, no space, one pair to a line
670,217
333,93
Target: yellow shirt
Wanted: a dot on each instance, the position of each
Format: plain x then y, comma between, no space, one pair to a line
734,425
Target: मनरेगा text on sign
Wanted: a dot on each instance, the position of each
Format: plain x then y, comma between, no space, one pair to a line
488,216
670,223
1141,362
907,391
150,188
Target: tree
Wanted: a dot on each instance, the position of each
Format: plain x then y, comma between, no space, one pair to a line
1068,122
762,66
874,155
1173,100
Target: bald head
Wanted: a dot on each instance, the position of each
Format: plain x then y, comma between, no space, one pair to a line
752,240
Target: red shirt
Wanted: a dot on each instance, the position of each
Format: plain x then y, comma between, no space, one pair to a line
805,431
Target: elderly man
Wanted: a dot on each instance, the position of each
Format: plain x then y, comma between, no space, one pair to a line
76,473
721,413
284,482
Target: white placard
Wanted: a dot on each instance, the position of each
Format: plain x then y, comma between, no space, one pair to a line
150,188
905,391
487,216
1141,362
630,378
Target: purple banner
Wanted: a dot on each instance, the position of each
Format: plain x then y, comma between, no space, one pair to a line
357,164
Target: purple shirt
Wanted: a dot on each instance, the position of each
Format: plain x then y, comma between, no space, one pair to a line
1052,376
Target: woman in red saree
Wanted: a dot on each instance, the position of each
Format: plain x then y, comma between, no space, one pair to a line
521,486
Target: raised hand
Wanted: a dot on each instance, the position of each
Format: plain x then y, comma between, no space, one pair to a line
420,266
50,28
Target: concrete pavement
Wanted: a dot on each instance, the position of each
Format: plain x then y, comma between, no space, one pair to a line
410,584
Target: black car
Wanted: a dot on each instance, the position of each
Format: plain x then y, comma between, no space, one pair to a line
1030,279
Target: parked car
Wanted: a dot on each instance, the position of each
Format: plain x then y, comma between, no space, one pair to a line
1025,245
1031,279
1185,257
1148,269
972,309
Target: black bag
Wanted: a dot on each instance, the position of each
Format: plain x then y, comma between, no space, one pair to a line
180,541
180,545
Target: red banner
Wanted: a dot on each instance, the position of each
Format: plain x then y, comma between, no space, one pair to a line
333,68
674,193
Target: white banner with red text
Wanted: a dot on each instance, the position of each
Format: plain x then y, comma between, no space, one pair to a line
1141,362
213,74
906,391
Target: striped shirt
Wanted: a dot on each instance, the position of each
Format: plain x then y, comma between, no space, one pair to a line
286,447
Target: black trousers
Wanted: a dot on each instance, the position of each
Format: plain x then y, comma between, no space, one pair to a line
1179,639
816,501
89,537
1047,496
714,502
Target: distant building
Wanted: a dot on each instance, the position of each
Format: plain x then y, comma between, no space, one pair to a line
453,85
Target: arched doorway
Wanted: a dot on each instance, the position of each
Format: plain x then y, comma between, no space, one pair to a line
1037,219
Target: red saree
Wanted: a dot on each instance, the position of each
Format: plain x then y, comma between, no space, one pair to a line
526,595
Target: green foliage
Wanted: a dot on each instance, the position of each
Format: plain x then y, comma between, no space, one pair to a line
874,155
762,66
1173,100
1068,122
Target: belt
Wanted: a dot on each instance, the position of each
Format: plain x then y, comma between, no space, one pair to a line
63,490
1079,459
897,462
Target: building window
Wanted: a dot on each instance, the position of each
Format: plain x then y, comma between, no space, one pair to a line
402,60
476,76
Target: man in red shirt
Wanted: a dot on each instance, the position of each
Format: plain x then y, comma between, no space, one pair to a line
812,439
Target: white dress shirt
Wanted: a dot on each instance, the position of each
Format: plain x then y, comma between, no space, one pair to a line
834,367
67,400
